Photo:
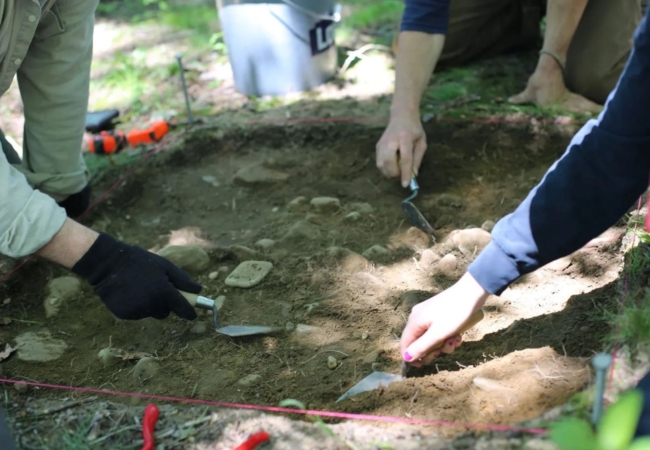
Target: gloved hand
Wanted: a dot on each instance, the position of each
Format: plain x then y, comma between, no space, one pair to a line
77,203
134,283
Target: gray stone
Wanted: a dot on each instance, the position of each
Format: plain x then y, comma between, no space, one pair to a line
290,326
21,387
107,356
326,204
190,258
211,180
265,244
58,292
448,265
332,363
250,380
362,208
249,274
301,328
146,368
297,203
253,175
364,335
314,218
374,252
354,216
371,357
39,347
199,328
488,226
213,275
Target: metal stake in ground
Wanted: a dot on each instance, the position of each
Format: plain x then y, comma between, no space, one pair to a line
190,118
601,363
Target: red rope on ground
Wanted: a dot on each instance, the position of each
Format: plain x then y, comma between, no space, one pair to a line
279,409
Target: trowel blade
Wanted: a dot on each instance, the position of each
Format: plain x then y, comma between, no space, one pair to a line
416,218
244,330
373,381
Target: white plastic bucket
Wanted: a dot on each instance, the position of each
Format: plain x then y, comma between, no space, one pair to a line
279,46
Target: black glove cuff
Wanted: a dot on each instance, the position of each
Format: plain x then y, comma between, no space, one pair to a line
104,256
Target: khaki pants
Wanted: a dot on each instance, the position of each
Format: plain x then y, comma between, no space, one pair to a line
597,54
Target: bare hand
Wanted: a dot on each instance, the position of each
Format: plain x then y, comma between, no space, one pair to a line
439,320
545,91
405,137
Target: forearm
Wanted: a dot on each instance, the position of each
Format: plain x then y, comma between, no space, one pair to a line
562,19
416,59
69,244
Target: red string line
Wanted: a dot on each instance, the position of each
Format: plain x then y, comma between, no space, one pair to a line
279,409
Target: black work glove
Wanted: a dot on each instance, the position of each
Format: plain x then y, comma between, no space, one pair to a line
134,283
77,203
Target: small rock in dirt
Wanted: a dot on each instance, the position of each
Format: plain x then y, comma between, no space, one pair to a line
428,258
21,387
213,275
332,362
39,347
252,175
448,265
354,216
59,291
265,244
450,200
243,253
304,329
297,203
250,380
354,263
301,231
107,356
584,329
375,251
199,328
470,242
314,218
224,269
211,180
146,368
415,239
362,208
488,226
364,335
191,258
219,301
371,357
326,204
249,274
290,326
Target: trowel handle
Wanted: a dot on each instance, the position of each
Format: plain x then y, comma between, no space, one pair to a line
198,301
476,318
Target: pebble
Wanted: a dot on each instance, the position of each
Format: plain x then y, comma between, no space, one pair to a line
190,258
374,252
199,328
429,258
301,231
448,265
302,328
250,380
39,347
211,180
488,226
296,203
470,242
107,356
259,174
146,368
224,269
265,244
332,362
354,216
59,291
364,335
249,274
314,218
451,200
243,253
290,326
371,357
326,204
362,208
21,387
213,275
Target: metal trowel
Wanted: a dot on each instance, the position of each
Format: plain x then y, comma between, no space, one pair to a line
378,379
198,301
414,215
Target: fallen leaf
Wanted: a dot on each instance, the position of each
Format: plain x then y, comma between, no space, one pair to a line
7,351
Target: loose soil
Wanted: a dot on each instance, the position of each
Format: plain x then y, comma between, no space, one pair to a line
528,355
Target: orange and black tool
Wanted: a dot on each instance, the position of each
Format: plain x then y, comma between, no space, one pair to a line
110,142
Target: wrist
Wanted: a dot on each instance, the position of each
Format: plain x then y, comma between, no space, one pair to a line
405,110
70,244
473,291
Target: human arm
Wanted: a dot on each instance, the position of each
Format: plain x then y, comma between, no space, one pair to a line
603,171
421,39
546,85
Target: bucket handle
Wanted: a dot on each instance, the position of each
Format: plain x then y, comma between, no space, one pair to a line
336,17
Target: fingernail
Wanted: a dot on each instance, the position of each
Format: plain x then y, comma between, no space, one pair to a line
451,342
407,357
436,354
405,184
458,340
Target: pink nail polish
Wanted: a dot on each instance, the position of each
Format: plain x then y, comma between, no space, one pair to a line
436,354
451,342
407,357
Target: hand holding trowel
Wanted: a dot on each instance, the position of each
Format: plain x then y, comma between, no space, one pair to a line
378,379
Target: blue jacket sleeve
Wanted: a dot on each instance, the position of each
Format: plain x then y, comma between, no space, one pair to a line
427,16
604,170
